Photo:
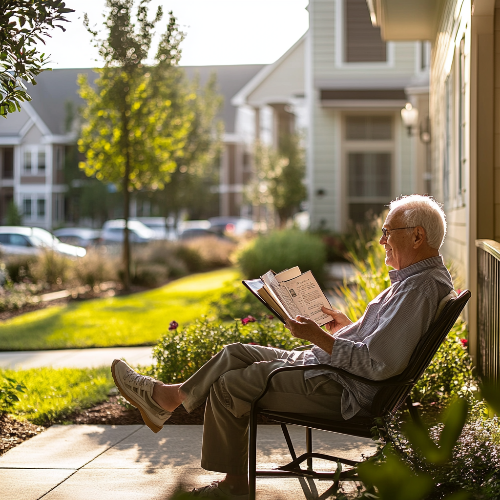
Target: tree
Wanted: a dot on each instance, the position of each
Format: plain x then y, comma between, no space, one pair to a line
14,216
24,22
197,169
279,176
132,134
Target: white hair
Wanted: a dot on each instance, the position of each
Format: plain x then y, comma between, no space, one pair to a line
424,211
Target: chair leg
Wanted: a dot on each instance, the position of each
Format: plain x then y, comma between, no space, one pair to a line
252,455
309,447
413,411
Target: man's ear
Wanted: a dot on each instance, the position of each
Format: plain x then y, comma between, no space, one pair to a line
419,237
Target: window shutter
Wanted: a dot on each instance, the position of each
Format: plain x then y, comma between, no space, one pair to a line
363,42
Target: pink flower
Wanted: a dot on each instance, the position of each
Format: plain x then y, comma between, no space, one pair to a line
253,343
270,316
464,342
248,319
459,291
173,325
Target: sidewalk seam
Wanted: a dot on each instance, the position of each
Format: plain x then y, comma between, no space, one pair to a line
85,464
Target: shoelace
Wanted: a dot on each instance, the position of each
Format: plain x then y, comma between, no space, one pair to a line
136,379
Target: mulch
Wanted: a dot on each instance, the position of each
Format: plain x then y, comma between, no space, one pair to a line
14,432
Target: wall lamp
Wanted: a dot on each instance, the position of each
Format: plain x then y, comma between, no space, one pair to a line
409,115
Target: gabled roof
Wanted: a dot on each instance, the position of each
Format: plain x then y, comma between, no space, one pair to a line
55,88
266,72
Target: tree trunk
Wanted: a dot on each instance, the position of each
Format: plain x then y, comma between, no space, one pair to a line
126,198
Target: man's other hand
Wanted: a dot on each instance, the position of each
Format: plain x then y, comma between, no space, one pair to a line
339,320
307,329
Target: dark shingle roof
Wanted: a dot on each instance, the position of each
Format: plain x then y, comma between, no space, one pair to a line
55,88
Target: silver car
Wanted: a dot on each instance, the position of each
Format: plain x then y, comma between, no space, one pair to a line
21,240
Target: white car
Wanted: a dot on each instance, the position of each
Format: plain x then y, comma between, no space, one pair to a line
113,232
161,226
21,240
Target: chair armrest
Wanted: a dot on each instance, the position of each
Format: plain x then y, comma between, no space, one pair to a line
393,381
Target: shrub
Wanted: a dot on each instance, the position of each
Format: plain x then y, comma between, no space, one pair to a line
281,250
180,354
52,268
10,390
18,267
215,252
96,267
17,295
236,301
450,372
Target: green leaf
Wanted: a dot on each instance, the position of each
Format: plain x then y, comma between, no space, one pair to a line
490,391
394,480
455,421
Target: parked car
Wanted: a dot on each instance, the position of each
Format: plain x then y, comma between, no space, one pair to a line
161,226
113,232
236,226
80,236
21,240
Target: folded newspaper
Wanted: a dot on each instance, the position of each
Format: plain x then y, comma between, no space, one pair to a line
291,293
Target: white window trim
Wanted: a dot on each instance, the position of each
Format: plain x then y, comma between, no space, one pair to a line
340,46
34,197
375,146
34,150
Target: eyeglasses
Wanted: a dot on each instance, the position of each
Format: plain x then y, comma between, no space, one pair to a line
387,232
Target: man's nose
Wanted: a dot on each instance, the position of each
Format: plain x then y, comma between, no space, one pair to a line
382,240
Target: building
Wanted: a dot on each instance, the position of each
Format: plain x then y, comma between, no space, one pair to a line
345,87
34,143
465,123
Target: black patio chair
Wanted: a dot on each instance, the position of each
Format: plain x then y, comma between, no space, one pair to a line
392,394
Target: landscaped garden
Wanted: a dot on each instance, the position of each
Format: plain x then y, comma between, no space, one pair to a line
431,463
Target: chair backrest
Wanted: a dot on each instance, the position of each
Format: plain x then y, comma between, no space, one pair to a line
390,398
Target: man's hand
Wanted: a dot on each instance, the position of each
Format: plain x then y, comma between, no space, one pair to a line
339,320
306,329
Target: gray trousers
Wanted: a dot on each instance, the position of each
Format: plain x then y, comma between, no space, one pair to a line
232,379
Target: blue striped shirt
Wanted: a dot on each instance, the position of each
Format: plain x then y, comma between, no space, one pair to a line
379,345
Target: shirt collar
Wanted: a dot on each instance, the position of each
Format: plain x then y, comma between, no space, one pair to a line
401,274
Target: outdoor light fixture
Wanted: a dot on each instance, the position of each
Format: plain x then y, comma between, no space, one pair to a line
409,115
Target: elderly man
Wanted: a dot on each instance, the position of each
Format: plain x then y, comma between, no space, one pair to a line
377,346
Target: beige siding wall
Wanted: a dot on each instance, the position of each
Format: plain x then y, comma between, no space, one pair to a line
444,77
326,169
286,80
328,50
497,121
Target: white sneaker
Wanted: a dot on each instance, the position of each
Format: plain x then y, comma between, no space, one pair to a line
138,391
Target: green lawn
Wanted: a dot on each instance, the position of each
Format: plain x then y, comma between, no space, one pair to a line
137,319
51,394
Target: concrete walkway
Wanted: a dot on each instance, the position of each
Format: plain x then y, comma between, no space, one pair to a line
93,462
87,462
75,358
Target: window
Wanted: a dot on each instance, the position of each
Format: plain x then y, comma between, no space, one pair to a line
7,159
462,120
34,160
368,128
27,162
41,162
40,208
59,150
369,155
27,207
362,40
447,137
